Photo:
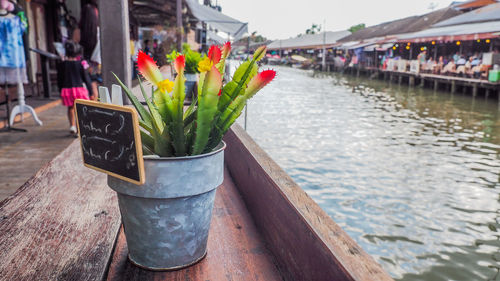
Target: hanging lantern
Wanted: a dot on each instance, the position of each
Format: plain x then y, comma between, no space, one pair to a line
458,43
433,42
488,40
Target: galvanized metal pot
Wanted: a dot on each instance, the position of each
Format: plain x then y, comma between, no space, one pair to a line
191,79
167,219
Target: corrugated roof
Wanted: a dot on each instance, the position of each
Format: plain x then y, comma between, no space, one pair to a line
309,40
487,13
217,20
405,25
454,32
473,4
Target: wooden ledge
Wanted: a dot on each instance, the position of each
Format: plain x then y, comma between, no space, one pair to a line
306,242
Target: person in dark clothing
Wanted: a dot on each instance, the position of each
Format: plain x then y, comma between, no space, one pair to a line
147,48
88,28
71,77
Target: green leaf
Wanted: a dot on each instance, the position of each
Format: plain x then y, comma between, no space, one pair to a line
207,108
146,126
147,140
143,113
155,115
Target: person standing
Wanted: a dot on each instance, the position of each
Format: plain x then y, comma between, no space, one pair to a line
72,75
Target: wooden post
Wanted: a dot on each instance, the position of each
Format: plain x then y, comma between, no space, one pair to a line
400,79
474,90
436,85
178,15
115,42
487,94
453,86
422,82
411,81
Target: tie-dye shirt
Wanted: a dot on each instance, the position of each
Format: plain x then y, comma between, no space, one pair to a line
11,42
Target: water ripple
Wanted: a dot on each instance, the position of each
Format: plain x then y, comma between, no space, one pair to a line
410,174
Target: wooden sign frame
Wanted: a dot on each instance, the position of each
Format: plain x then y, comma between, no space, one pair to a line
137,138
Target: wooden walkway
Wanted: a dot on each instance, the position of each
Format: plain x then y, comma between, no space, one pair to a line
444,82
23,154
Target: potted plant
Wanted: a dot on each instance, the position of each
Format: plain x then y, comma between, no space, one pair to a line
191,70
167,219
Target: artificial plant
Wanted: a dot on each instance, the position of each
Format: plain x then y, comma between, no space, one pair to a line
169,130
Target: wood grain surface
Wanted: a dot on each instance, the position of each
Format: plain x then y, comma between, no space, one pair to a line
236,250
60,225
306,242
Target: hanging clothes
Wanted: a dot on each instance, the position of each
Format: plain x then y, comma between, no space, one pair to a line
11,42
12,55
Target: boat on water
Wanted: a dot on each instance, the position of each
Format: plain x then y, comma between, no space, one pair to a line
300,62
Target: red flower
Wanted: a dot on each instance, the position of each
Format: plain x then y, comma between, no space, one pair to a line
226,49
148,68
259,81
214,54
180,63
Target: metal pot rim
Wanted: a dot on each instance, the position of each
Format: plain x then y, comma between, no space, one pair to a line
217,149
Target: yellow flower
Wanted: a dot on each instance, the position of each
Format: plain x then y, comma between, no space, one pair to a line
205,65
166,86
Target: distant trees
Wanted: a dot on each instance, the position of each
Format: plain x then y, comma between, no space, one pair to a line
315,28
356,27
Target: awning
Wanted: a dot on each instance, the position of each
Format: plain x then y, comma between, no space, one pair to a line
217,20
347,45
474,31
309,41
214,38
360,45
385,46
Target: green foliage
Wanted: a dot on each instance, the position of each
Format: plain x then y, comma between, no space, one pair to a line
192,58
356,27
315,28
170,130
172,56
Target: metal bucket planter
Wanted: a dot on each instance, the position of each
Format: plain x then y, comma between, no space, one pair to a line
191,79
167,219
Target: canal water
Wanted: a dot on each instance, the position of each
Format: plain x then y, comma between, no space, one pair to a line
412,175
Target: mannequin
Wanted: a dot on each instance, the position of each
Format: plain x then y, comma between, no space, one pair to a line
12,59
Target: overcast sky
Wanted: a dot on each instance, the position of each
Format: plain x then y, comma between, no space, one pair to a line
280,19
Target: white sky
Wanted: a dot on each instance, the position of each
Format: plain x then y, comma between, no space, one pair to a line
280,19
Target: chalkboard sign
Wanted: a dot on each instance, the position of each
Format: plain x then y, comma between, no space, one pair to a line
110,139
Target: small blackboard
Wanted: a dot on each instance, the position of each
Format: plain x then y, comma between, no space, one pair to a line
110,139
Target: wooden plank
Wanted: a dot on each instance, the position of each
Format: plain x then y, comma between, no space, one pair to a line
115,42
307,243
236,250
60,225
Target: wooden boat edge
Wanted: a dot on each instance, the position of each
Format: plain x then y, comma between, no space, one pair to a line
307,243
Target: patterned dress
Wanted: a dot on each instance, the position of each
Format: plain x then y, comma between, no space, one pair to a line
12,59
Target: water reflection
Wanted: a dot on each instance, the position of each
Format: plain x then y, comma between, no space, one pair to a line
410,174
